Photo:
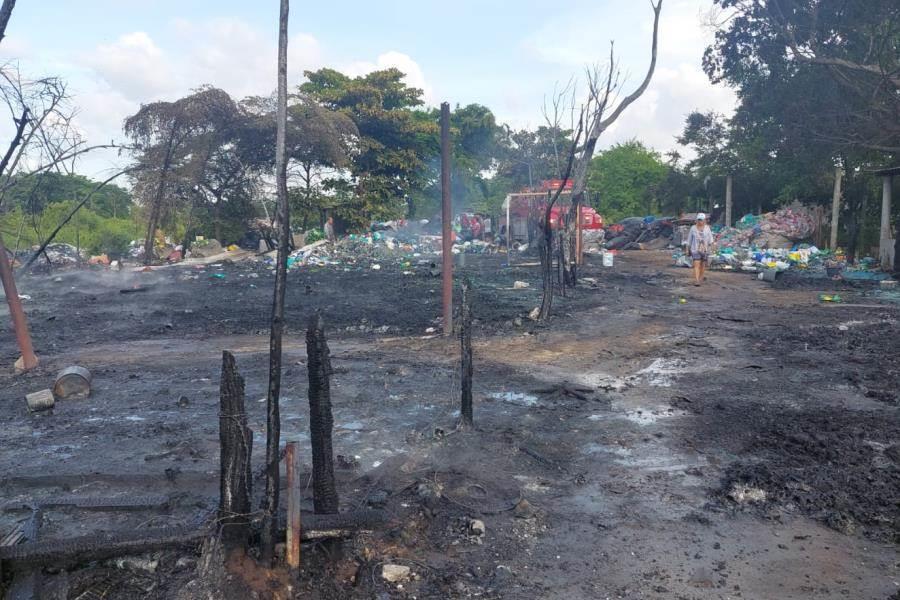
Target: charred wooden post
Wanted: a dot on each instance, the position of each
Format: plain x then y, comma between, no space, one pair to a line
446,219
273,414
236,445
321,421
292,545
465,338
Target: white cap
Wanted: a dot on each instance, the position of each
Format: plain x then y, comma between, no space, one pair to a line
701,216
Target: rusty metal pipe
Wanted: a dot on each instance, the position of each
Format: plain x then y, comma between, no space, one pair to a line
446,219
292,550
20,323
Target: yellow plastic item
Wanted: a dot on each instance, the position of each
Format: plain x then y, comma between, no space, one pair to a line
232,247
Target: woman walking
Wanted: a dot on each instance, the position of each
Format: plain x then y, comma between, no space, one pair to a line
699,242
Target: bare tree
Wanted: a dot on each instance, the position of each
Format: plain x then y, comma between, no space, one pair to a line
273,420
5,14
595,115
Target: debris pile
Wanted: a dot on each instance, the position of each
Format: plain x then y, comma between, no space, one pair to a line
63,255
781,229
401,245
640,233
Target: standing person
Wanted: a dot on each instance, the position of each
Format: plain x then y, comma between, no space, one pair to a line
699,243
329,230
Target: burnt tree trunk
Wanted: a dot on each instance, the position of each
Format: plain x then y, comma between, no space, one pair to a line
321,421
156,208
561,262
236,446
273,414
545,249
465,338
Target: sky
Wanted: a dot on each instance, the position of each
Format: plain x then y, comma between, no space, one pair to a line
508,56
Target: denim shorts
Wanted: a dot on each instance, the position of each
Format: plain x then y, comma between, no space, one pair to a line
699,256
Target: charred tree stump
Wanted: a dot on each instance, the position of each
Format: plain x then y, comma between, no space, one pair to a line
321,421
465,338
236,445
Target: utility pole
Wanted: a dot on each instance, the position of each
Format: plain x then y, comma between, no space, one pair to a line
729,183
836,207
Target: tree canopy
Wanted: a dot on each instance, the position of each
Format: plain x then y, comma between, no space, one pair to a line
627,180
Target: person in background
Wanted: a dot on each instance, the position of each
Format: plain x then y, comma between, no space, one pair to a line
699,243
329,230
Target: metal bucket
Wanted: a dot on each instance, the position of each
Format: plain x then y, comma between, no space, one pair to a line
608,259
72,383
769,275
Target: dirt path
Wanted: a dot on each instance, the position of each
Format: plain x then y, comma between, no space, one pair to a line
740,443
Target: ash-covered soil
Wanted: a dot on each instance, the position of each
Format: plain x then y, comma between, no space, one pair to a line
653,440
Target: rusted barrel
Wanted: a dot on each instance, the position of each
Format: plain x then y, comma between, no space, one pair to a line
72,383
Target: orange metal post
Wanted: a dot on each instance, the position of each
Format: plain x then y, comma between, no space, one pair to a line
292,546
20,324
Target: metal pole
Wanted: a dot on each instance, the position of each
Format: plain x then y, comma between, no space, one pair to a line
20,324
292,550
446,218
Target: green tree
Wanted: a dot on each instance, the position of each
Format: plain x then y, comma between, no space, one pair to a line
395,143
320,143
34,192
825,71
475,139
627,179
178,147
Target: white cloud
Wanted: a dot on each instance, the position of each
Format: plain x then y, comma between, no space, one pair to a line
134,66
115,78
679,84
415,77
240,59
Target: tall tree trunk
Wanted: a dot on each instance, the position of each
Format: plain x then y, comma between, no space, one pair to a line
156,209
273,416
545,250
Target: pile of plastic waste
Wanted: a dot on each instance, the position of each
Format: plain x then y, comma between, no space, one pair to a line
63,254
780,229
385,243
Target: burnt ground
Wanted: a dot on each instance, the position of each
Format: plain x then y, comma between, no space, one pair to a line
739,444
